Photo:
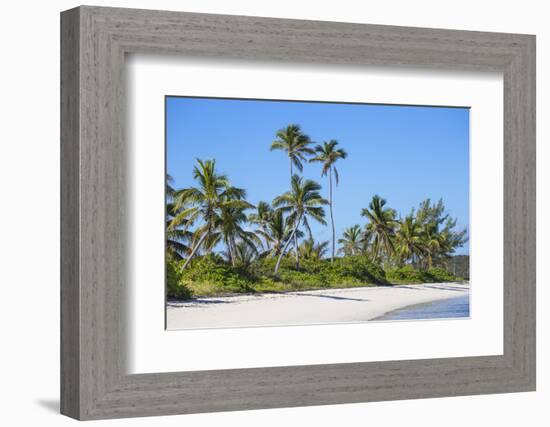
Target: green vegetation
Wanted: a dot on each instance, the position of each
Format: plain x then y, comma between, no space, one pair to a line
408,274
212,275
219,243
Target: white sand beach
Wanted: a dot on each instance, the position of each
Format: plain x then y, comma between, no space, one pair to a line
306,307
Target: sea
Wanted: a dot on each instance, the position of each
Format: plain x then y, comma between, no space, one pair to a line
443,309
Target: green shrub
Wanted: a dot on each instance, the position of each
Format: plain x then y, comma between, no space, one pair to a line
357,267
441,275
407,274
320,273
212,275
174,288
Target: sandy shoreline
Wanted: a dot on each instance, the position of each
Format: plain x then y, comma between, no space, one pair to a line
305,307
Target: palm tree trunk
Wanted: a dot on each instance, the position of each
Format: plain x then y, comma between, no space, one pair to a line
194,251
286,245
331,214
295,236
267,242
230,249
296,250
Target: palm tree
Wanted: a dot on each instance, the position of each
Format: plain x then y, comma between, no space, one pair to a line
296,145
409,244
431,241
261,218
209,202
177,235
352,241
382,226
367,238
232,232
244,254
309,249
327,155
303,201
277,232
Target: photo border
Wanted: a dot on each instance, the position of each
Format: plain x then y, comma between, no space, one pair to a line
94,268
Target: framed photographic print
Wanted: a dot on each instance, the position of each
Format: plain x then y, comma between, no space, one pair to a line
262,213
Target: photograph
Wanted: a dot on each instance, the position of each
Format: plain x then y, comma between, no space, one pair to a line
300,212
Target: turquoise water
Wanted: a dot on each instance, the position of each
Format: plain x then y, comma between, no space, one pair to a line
448,308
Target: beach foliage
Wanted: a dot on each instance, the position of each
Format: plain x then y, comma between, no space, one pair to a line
211,275
409,274
175,287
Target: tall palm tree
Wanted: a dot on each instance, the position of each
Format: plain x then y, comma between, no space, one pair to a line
327,154
296,144
208,201
303,201
352,241
409,244
382,226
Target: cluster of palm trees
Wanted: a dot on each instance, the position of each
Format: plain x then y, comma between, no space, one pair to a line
422,238
214,213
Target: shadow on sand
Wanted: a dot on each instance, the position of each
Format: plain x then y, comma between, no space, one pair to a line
196,303
331,297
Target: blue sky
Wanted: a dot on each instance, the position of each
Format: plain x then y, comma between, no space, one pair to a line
403,153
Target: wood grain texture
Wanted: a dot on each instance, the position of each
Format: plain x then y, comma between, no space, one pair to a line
70,297
94,271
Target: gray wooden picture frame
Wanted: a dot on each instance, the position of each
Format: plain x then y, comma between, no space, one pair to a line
94,382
